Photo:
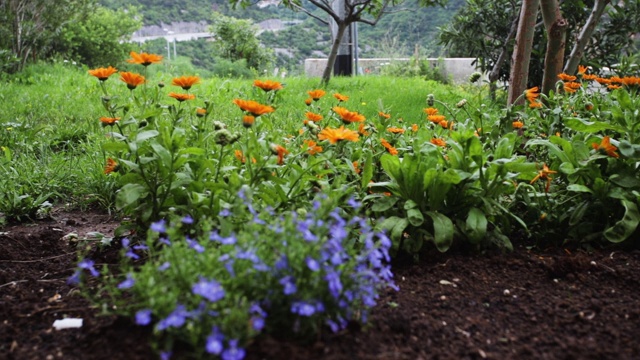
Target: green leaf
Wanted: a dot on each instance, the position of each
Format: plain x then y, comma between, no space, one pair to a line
114,146
148,134
442,231
367,169
415,217
395,225
384,203
578,213
476,225
622,229
579,188
391,164
629,150
591,126
163,154
129,194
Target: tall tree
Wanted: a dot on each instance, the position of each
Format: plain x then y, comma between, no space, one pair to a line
556,27
355,11
522,51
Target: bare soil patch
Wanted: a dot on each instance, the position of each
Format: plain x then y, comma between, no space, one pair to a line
553,304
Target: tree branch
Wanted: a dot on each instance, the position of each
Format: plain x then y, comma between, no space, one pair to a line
585,34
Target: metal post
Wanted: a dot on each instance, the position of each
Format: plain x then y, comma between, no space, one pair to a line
344,59
175,53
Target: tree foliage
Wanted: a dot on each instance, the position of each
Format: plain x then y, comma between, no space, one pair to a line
480,30
236,39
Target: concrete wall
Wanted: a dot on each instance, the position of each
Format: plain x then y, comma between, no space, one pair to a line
458,69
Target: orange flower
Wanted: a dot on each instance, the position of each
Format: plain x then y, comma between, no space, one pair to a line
414,127
395,130
182,97
572,86
392,150
316,94
108,121
613,87
268,85
144,59
356,167
437,119
431,111
185,82
239,155
438,142
361,130
384,115
589,77
603,81
312,147
532,96
103,73
348,116
313,116
280,151
517,124
201,112
132,80
606,147
565,77
253,107
111,166
248,120
335,135
582,69
544,174
308,101
340,97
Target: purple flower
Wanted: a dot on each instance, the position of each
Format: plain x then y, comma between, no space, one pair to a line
187,220
75,278
257,322
214,342
125,242
210,290
176,319
224,213
165,265
353,203
87,264
159,226
130,254
282,263
303,308
164,240
312,264
230,240
195,245
303,228
143,317
165,355
335,285
233,352
288,282
256,309
127,283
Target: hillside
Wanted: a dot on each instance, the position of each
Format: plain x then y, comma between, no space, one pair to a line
396,35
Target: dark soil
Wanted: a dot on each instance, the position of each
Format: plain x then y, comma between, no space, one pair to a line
521,305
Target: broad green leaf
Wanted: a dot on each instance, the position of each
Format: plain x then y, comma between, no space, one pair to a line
579,188
129,194
384,203
591,126
367,169
578,213
163,154
629,150
504,149
622,229
395,225
144,135
391,164
115,146
415,217
442,231
476,225
625,180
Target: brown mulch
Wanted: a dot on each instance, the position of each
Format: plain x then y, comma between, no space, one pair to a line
521,305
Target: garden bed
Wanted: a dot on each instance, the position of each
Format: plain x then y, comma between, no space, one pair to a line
560,303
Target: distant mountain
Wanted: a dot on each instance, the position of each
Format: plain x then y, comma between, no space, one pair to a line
295,36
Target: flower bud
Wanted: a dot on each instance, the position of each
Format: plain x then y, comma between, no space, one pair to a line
218,125
431,100
461,103
223,137
475,77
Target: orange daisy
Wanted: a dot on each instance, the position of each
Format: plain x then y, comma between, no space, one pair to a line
565,77
280,151
144,59
335,135
103,73
108,121
308,101
544,174
414,127
532,96
431,111
392,150
253,107
316,94
589,77
248,120
384,115
348,116
111,166
340,97
312,147
395,130
572,86
436,118
517,124
201,112
438,142
582,69
313,116
182,97
362,130
185,82
268,85
606,147
131,79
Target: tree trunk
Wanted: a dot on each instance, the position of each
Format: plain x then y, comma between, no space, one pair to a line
556,27
331,60
522,51
585,34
